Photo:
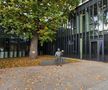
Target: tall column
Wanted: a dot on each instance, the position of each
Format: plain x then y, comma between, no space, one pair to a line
81,40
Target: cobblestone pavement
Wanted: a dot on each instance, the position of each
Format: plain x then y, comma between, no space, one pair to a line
73,76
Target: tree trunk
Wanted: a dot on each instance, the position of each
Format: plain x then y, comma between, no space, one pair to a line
34,47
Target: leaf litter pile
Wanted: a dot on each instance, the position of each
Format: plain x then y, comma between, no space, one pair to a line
26,61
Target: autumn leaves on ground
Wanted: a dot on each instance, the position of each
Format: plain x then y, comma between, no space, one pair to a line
83,75
26,61
21,62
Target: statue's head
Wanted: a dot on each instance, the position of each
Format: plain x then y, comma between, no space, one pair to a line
58,49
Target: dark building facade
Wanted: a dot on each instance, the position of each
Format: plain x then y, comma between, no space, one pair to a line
85,35
13,46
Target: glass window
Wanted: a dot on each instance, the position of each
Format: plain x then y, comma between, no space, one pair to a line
1,44
83,21
91,18
87,19
96,22
105,20
105,15
100,14
77,25
105,4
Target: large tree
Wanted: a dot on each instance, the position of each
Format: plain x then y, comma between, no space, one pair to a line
35,19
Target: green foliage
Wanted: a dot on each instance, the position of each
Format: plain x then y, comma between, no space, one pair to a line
26,17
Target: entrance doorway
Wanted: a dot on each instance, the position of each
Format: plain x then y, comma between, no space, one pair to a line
94,52
97,50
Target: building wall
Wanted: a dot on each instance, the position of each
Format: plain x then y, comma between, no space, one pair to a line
85,33
13,47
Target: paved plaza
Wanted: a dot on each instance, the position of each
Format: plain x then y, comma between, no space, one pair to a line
84,75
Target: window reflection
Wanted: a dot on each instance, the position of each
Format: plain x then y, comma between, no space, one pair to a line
105,20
